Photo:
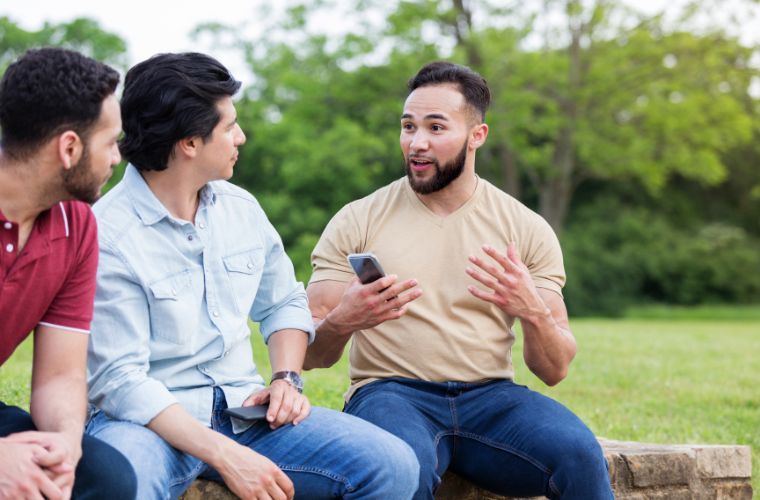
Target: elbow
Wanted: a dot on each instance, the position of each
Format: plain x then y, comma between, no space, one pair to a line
554,378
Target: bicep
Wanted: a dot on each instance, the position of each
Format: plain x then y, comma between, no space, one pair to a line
324,296
58,352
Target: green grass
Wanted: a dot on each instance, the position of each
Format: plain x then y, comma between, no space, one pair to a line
651,380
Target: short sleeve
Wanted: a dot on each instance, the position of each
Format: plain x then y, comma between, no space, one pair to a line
541,252
341,237
72,305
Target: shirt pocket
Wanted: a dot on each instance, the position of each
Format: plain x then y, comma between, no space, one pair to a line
172,302
244,270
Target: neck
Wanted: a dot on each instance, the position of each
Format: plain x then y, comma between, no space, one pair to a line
449,199
179,194
25,190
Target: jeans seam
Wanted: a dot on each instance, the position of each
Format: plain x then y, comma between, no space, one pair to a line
508,449
192,474
323,472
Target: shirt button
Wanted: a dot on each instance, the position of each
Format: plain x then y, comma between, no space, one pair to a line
202,225
216,314
250,265
189,237
8,225
174,292
9,247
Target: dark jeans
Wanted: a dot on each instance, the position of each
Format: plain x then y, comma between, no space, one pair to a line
499,435
101,473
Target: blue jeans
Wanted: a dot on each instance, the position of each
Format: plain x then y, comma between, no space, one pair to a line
498,435
102,472
328,455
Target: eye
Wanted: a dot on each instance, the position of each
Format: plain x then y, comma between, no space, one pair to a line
407,126
436,127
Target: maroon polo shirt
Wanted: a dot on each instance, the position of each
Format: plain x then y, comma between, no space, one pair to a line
52,281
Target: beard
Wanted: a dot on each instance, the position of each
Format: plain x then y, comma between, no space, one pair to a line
444,175
80,182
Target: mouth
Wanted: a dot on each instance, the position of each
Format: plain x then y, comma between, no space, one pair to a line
419,164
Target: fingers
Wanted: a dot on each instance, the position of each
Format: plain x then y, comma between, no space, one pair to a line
286,405
48,458
257,398
285,484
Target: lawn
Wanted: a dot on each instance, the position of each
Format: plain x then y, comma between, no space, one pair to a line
649,379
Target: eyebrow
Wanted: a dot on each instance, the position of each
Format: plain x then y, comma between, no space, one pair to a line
431,116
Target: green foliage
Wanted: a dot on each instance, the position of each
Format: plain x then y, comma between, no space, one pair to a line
633,256
82,34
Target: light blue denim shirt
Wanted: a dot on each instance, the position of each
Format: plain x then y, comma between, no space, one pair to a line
173,299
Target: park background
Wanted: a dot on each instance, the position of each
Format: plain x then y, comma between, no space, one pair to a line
635,133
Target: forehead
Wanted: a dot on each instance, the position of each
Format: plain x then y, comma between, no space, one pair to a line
226,109
435,99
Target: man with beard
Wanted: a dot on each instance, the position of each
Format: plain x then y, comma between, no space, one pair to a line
60,121
435,368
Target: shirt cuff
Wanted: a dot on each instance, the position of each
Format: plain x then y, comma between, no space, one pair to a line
141,402
290,316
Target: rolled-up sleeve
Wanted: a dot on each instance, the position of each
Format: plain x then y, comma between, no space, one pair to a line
281,301
119,349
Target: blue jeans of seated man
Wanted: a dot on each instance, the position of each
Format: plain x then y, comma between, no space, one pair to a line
499,435
328,455
102,472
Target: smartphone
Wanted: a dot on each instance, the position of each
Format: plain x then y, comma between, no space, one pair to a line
366,267
257,412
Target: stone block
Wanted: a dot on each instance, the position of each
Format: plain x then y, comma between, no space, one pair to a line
660,469
724,461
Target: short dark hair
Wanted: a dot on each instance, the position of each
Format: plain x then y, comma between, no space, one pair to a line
473,87
167,98
47,91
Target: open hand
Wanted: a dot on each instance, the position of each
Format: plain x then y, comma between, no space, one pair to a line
511,286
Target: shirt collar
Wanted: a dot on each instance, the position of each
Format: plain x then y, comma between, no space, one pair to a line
54,222
148,207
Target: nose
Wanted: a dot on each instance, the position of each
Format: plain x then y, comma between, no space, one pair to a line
240,136
419,142
116,157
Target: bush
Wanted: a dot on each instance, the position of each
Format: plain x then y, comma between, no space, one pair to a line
633,256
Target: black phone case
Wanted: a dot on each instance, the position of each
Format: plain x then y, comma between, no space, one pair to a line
258,412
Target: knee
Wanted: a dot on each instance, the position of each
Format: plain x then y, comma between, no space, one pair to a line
104,472
585,455
397,466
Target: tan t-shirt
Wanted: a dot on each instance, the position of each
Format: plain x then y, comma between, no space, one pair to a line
447,333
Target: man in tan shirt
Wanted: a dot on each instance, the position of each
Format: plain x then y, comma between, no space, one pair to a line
435,367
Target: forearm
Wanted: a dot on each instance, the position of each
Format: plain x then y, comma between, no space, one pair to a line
181,430
287,349
328,345
60,405
548,347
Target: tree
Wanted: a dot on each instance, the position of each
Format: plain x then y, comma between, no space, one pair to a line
81,34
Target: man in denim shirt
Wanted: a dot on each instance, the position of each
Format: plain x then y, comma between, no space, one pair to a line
185,259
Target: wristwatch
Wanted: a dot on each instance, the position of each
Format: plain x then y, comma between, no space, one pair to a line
293,378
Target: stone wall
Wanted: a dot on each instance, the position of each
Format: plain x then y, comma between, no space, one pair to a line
637,471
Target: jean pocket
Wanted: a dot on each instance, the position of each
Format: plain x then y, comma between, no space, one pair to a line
244,270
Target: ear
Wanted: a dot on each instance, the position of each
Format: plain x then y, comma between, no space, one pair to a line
187,147
478,135
70,149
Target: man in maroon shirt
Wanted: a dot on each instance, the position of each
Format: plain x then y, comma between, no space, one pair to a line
59,120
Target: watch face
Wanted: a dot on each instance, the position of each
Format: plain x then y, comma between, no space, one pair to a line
290,377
